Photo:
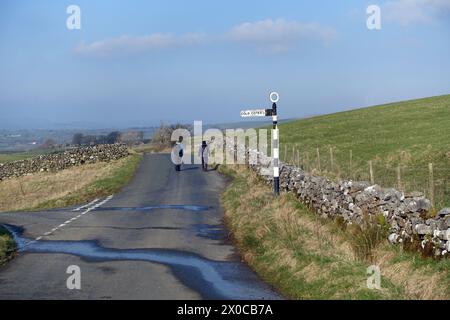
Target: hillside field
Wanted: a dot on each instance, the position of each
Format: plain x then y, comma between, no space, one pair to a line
400,140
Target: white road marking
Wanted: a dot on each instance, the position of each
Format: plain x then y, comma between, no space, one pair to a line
86,205
90,206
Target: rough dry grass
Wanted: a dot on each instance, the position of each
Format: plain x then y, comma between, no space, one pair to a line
420,278
66,187
307,257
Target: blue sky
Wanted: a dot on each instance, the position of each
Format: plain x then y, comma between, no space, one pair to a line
136,63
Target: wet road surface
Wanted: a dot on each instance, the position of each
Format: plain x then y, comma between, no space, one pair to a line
161,237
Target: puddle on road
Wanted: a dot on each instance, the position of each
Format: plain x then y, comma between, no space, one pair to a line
150,208
211,232
211,279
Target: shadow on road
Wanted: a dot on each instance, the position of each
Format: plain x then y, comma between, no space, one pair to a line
189,168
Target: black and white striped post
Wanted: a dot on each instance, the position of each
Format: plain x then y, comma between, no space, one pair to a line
274,97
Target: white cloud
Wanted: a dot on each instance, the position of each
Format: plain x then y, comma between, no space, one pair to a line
408,12
279,35
138,44
268,35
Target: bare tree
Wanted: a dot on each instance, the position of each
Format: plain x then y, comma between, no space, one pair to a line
49,144
113,137
77,139
161,137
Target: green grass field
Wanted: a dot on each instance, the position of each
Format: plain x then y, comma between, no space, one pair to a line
15,156
399,139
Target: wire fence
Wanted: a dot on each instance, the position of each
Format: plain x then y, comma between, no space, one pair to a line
430,179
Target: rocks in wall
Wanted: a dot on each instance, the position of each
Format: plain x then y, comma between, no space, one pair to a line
63,160
405,214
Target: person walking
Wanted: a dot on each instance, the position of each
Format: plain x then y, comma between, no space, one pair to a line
203,152
177,154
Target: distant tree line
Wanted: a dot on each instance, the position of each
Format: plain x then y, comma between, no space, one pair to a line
161,138
130,137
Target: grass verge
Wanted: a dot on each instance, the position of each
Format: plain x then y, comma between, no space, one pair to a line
306,257
7,246
67,187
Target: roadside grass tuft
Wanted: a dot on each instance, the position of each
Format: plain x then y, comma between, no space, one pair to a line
7,246
308,257
365,238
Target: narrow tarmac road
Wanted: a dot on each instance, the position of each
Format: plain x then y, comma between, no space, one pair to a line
161,237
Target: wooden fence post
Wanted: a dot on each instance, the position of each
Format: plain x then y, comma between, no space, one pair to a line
285,153
307,168
431,184
303,162
293,155
399,178
350,165
318,160
331,160
298,159
235,150
372,180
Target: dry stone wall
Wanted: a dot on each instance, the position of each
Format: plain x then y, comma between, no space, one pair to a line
63,160
405,214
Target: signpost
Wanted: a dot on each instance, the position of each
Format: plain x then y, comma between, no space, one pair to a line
253,113
274,97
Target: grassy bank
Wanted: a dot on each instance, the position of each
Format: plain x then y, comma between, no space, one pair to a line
306,257
7,245
400,139
67,187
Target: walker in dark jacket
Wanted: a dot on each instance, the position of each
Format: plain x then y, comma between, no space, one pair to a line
203,152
